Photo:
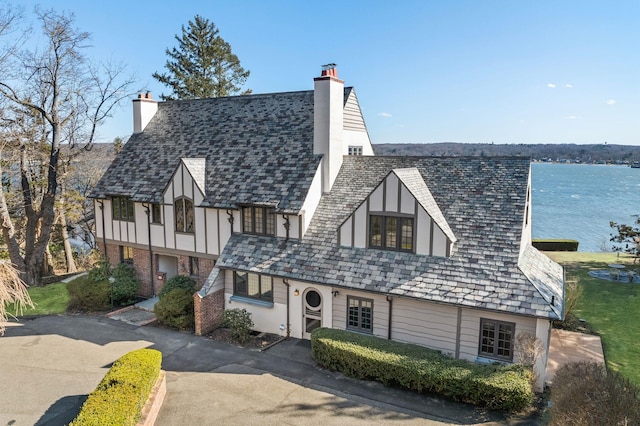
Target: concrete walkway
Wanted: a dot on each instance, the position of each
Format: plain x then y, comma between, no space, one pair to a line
567,347
50,364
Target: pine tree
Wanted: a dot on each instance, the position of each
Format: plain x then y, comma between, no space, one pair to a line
202,65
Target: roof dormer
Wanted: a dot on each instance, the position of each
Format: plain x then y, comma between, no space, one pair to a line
400,214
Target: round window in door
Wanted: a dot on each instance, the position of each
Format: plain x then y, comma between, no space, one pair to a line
312,310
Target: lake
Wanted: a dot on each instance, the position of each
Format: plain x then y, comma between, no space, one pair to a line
578,201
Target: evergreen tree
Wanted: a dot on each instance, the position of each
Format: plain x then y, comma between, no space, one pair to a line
202,65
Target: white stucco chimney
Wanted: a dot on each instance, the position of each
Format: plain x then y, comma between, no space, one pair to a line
328,110
144,108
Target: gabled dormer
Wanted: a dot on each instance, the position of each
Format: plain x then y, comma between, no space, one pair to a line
400,214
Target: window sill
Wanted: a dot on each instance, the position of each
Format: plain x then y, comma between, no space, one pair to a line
251,301
485,360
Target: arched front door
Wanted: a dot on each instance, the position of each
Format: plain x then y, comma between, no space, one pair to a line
312,312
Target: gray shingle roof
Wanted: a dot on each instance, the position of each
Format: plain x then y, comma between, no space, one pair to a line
412,179
482,199
258,150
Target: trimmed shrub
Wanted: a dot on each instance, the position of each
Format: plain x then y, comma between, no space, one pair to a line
586,393
175,309
88,296
178,281
101,272
125,285
239,322
495,386
555,245
123,392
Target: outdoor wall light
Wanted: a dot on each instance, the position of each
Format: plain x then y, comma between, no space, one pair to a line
160,276
296,292
335,293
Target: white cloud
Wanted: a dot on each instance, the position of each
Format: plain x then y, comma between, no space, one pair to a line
568,86
571,117
551,86
384,114
611,102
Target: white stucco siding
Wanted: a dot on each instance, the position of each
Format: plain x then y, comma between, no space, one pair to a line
407,201
357,138
440,242
380,311
200,230
225,228
185,242
157,235
360,227
312,199
426,324
375,199
178,187
212,226
391,194
168,195
346,231
423,230
169,227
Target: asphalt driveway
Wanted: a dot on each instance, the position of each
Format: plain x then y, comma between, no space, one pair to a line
50,364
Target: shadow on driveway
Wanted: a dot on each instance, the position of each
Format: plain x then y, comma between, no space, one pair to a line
206,380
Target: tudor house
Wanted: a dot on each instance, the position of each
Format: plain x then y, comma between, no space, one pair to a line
276,203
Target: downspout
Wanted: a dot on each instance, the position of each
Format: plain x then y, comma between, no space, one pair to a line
282,339
286,282
286,225
230,219
390,300
147,210
104,235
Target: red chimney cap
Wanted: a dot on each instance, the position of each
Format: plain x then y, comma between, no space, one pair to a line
329,70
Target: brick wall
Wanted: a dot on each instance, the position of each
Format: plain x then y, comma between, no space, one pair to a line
140,265
208,311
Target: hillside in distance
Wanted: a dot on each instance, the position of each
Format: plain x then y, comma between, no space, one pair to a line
592,154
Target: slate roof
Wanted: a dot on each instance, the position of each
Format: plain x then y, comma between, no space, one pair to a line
412,179
258,149
482,199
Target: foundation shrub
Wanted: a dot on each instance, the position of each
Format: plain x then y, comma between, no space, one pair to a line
178,281
586,393
125,285
175,309
123,392
88,296
495,386
239,322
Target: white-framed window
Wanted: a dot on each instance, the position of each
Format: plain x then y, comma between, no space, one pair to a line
496,339
355,150
359,314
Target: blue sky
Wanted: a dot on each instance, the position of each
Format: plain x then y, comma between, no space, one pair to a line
424,71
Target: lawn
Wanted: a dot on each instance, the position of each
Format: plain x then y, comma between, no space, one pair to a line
50,299
611,308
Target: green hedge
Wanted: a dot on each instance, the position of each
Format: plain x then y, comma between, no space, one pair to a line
496,386
88,296
123,392
555,245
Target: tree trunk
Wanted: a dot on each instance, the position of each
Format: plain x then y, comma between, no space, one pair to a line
68,252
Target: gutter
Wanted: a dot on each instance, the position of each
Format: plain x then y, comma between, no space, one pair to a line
104,236
148,212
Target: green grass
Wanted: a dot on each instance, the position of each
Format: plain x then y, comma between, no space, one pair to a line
611,308
50,299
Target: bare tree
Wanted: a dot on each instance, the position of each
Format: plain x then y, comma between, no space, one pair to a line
66,98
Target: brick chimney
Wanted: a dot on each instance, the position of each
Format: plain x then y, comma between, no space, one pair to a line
144,108
328,109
